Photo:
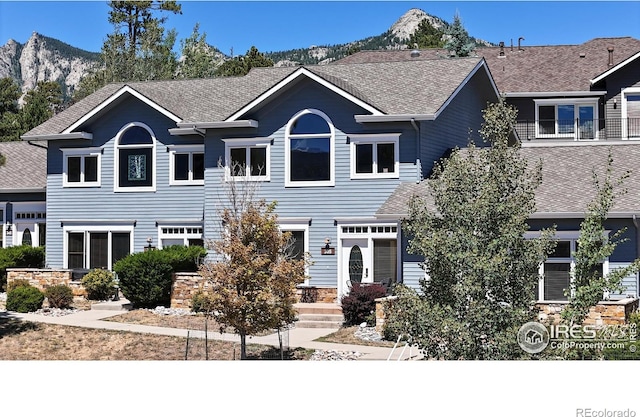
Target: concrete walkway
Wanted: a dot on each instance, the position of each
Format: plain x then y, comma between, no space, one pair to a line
298,337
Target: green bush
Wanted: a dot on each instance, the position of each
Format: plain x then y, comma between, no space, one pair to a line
24,299
185,258
201,302
19,257
359,305
99,283
59,296
145,278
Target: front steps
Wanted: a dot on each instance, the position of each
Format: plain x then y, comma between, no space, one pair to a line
319,315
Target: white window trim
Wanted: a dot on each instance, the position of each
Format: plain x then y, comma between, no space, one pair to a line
184,236
106,228
246,143
375,139
3,228
298,225
116,159
82,152
563,235
39,209
183,149
555,102
287,151
632,91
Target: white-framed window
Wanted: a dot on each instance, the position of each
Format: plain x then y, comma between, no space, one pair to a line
375,156
3,209
135,159
631,113
96,246
556,272
299,243
81,167
180,235
575,119
309,150
186,164
248,159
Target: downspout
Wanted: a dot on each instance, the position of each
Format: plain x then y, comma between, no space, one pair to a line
36,145
636,223
418,163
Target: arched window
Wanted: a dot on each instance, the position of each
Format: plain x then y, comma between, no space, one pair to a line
309,147
135,158
26,237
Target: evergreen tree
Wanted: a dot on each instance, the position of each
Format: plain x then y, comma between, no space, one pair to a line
198,59
40,104
459,44
426,36
10,125
243,64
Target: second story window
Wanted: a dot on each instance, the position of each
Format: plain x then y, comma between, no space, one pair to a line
135,159
374,156
248,159
187,165
571,119
309,150
81,167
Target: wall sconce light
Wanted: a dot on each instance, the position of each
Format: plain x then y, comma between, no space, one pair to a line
327,243
9,229
149,247
615,103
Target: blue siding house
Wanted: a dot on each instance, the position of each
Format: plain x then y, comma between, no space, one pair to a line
143,163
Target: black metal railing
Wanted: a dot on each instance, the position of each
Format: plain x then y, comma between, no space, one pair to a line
590,129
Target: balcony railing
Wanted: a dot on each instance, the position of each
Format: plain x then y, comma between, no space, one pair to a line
579,129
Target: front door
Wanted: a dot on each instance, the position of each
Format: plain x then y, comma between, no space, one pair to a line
356,262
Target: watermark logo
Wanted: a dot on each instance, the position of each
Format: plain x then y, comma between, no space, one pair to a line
533,337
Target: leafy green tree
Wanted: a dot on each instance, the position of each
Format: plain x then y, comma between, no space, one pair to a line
243,64
40,104
198,58
481,269
589,285
253,283
426,36
459,44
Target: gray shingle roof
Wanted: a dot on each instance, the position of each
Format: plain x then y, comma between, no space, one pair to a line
534,68
25,167
567,181
410,87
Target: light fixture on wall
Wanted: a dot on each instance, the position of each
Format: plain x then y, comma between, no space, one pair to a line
9,229
615,103
149,246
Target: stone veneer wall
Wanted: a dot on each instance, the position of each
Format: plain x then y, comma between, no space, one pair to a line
606,312
44,278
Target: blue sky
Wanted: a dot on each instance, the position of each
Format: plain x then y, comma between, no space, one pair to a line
276,26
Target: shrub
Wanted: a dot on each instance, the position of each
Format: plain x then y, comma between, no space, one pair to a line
99,283
17,283
19,257
145,278
184,258
59,296
201,302
359,305
24,299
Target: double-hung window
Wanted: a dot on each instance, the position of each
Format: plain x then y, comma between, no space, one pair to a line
186,164
374,156
567,118
309,150
248,159
81,167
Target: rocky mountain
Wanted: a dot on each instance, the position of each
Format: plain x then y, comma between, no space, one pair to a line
47,59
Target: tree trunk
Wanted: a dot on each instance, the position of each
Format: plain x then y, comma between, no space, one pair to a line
243,346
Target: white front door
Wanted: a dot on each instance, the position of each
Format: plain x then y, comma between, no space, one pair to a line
356,262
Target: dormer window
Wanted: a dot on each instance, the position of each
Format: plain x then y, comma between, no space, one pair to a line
309,150
135,159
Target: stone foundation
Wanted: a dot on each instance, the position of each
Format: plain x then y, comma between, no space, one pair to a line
306,294
605,312
44,278
185,284
381,304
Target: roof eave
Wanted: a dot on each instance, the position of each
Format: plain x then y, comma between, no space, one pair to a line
58,136
614,68
22,190
580,215
218,125
526,94
371,118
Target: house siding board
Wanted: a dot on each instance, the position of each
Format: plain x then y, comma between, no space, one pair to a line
348,198
457,124
102,203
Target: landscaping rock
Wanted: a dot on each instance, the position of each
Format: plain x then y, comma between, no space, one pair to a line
368,333
334,355
164,311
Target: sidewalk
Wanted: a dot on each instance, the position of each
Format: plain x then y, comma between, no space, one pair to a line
298,337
